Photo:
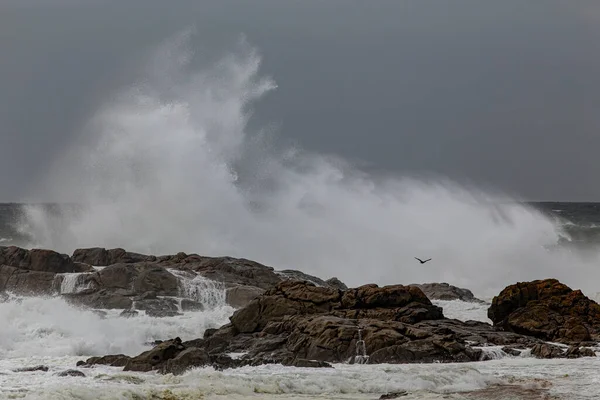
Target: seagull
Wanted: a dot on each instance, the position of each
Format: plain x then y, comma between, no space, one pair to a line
421,261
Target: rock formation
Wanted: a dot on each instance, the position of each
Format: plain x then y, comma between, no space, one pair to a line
548,310
128,278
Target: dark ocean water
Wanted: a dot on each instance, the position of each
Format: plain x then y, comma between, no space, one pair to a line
579,221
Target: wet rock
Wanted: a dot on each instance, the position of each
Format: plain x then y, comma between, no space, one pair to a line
231,270
115,360
158,308
129,313
512,351
42,368
103,299
546,309
545,350
303,363
576,352
36,260
26,282
156,357
192,357
191,305
393,395
445,291
71,372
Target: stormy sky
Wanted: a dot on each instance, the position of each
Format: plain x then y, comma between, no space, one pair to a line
503,93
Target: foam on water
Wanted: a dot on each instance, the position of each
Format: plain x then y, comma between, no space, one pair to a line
35,327
573,379
170,165
464,311
71,283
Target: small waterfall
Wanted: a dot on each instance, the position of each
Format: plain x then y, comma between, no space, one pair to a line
209,293
74,283
361,350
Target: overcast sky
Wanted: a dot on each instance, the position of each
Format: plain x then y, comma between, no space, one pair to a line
505,92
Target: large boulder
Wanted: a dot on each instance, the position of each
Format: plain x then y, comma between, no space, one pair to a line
37,260
546,309
26,282
445,291
239,296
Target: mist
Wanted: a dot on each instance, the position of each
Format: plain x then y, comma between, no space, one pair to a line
169,163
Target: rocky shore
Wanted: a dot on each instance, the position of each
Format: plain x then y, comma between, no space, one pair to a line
295,319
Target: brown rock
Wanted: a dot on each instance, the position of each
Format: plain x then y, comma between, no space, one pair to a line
36,260
26,282
547,310
154,358
116,360
240,296
373,296
545,350
189,358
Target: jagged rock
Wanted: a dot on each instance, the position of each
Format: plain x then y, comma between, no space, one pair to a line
116,360
336,284
545,350
300,321
32,369
154,358
546,309
240,296
445,291
71,372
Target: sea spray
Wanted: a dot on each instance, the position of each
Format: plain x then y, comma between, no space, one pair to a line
209,293
170,165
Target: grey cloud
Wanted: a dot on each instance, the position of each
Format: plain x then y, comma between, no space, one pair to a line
503,93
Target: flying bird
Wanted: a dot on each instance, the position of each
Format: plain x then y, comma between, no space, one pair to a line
421,261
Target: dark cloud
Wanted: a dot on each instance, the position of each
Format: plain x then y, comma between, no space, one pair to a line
503,93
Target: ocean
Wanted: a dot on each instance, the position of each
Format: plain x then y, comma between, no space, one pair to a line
171,165
49,332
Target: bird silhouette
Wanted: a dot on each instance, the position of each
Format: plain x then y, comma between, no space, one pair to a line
421,261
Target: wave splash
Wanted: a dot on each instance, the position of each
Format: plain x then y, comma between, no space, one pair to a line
170,165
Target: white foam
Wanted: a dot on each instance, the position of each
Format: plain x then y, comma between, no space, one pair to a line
209,293
226,190
71,283
50,327
464,311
